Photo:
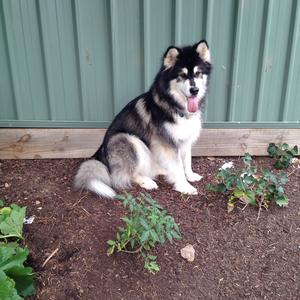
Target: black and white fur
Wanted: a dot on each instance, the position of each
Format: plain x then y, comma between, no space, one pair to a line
154,133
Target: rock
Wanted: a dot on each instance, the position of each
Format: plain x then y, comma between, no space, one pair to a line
188,252
7,185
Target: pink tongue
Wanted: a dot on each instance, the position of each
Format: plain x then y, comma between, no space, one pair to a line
193,104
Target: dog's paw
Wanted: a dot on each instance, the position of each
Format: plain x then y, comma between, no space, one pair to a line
186,188
193,177
147,183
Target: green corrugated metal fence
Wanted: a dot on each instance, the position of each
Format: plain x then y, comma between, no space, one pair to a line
75,63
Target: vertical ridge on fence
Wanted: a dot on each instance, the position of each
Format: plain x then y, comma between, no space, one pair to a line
232,97
291,61
263,61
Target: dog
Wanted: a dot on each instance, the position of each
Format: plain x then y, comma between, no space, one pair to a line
154,133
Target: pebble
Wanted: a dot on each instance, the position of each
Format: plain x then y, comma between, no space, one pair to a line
188,252
7,185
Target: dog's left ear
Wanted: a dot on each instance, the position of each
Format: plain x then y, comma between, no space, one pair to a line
203,51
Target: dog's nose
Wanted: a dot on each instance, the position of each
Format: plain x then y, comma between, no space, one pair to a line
194,90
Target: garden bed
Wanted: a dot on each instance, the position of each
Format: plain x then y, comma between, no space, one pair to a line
237,257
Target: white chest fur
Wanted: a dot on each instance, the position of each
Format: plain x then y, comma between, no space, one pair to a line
185,130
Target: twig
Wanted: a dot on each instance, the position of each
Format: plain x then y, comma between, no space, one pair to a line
78,201
89,214
49,257
259,209
296,169
244,206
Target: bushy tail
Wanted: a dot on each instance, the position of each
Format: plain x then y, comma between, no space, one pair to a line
94,176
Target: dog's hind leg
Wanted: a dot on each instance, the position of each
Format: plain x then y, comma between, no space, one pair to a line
130,162
145,169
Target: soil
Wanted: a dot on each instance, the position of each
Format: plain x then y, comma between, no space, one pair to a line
237,257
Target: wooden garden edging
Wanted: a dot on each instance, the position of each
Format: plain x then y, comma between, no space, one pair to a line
74,143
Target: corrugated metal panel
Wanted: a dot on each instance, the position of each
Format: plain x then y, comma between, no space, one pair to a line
75,63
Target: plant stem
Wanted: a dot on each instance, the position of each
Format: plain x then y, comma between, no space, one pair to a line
134,251
259,207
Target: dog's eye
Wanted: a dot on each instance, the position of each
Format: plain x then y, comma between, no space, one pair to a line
183,75
198,74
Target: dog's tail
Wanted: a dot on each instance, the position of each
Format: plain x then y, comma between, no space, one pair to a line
94,176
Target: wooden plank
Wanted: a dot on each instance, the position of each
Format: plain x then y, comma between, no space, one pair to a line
75,143
49,143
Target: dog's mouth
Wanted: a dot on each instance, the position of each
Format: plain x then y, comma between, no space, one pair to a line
193,104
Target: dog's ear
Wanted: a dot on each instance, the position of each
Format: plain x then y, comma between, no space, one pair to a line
170,57
203,51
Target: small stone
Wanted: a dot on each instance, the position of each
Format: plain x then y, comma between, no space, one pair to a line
39,208
7,185
188,252
37,202
227,165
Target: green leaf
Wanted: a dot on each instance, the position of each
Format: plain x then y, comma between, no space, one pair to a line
230,206
284,146
272,150
24,278
12,258
152,257
283,178
169,237
154,235
238,193
2,203
145,236
152,267
282,201
221,188
7,288
278,165
111,242
110,250
175,235
12,225
250,197
144,223
247,159
294,150
132,243
248,179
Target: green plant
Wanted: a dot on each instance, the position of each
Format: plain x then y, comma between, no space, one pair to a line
11,221
16,280
250,186
146,224
283,154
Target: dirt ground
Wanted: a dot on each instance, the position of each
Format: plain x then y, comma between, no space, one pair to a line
237,257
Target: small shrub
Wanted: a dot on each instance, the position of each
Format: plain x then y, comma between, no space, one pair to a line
250,186
16,280
283,154
146,225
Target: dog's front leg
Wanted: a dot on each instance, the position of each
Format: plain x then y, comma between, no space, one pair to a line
172,163
186,156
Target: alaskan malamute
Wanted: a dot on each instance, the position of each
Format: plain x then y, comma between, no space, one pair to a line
154,133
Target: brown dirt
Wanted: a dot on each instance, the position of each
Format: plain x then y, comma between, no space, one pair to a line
237,257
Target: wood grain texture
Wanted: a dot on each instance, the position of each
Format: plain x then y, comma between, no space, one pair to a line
76,143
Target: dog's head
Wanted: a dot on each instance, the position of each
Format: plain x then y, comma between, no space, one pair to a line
187,70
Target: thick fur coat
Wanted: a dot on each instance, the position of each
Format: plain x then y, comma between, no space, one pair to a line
154,133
